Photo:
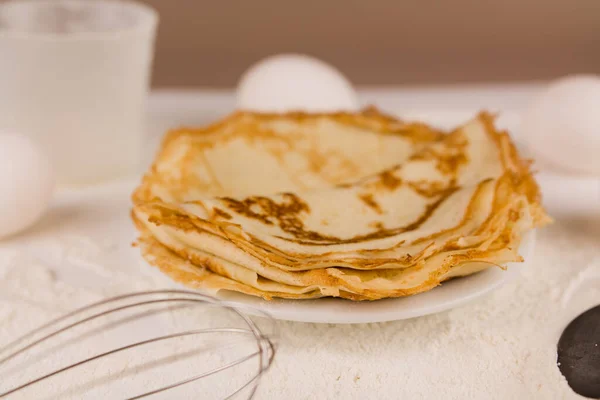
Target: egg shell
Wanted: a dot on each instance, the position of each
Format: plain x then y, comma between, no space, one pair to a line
562,125
26,183
295,82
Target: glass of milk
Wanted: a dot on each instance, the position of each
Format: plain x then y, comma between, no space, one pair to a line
74,75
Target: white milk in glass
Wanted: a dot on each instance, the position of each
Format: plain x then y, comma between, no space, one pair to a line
74,75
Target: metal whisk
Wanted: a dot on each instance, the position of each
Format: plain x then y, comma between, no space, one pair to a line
95,320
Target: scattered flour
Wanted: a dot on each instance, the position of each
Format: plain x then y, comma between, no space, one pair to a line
587,277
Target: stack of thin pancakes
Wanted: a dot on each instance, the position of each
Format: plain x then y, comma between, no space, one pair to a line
360,206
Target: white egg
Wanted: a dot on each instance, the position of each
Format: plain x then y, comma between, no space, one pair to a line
562,125
26,183
294,82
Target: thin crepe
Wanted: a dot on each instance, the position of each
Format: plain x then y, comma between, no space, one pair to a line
468,193
251,154
345,282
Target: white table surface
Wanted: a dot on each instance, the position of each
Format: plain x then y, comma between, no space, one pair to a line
502,347
573,201
359,362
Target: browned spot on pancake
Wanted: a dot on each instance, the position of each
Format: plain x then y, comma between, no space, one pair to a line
370,202
453,157
264,209
377,225
344,185
325,222
312,238
389,180
331,164
429,188
220,213
286,215
449,165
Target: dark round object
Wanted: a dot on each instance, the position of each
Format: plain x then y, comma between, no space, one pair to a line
579,354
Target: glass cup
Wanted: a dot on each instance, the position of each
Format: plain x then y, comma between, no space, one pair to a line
74,75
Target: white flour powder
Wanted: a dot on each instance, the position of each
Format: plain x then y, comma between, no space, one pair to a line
502,346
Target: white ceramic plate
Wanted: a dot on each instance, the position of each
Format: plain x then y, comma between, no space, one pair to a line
339,311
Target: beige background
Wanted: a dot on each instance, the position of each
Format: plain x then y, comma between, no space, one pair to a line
210,43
